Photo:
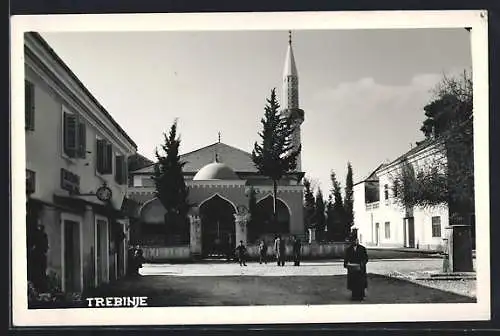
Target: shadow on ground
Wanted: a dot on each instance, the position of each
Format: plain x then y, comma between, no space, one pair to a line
165,291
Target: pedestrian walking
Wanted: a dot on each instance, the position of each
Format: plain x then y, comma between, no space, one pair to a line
241,252
297,245
280,250
355,261
263,252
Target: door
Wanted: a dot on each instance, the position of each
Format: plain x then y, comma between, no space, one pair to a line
71,256
411,232
102,255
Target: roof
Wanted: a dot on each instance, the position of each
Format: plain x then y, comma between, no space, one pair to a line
138,161
215,171
235,158
290,68
56,57
421,146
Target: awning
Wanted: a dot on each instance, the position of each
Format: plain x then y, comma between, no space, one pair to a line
79,204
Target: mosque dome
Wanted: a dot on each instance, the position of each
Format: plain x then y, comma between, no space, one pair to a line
215,171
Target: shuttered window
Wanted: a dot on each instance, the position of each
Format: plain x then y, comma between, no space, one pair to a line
70,134
104,157
121,170
29,105
74,136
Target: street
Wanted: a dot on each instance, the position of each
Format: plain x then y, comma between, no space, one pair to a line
314,282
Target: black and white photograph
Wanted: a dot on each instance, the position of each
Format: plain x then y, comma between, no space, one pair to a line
250,168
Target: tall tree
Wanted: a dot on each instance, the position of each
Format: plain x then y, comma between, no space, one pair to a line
252,210
309,204
449,177
336,215
348,200
170,186
319,213
276,155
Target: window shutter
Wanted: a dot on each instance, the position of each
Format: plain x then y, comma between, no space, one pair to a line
108,157
100,156
82,140
119,169
29,105
70,131
125,170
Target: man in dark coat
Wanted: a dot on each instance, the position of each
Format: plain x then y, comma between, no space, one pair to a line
263,252
39,258
355,261
241,252
296,251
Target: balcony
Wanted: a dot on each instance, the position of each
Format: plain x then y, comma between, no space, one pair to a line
372,206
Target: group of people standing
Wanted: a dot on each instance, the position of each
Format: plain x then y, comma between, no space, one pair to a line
279,250
355,260
135,259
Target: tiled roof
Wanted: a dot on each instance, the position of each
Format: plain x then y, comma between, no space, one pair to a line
239,160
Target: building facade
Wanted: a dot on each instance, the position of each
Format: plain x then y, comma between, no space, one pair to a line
74,149
220,179
381,221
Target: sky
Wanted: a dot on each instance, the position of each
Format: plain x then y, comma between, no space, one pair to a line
362,91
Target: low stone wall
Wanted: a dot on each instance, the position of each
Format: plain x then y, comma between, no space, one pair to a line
164,253
308,251
332,250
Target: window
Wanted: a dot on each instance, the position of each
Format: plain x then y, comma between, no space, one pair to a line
29,105
387,230
386,191
436,226
74,136
104,164
121,169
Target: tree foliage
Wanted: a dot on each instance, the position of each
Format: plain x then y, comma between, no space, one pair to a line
449,177
319,213
275,155
309,204
336,211
170,187
349,198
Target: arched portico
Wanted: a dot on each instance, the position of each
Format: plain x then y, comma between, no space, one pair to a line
263,223
217,226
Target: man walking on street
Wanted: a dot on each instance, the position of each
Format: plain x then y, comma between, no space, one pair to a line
280,250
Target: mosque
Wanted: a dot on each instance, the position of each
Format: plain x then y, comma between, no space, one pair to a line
220,178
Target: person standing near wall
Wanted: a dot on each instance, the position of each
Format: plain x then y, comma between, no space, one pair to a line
280,250
296,251
263,252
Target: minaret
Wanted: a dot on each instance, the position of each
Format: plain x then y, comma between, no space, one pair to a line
290,96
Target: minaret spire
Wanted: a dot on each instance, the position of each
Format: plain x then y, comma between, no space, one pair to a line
290,96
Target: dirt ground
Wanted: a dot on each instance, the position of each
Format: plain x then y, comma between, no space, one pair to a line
164,290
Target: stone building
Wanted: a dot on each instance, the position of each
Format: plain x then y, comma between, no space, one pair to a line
73,149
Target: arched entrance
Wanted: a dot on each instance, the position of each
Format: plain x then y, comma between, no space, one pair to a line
217,227
263,223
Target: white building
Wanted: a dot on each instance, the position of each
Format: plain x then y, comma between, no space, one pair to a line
73,147
380,221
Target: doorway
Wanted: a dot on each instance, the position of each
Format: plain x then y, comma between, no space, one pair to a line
72,272
218,227
102,255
